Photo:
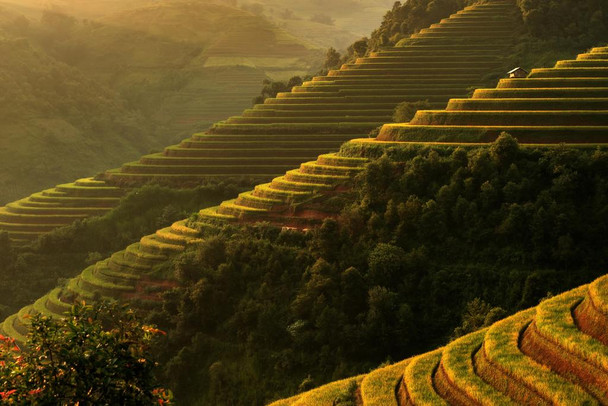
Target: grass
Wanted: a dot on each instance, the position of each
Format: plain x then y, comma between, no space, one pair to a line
230,207
321,169
193,161
573,135
302,177
325,119
74,287
469,71
583,63
169,236
572,92
44,219
67,201
40,306
554,321
525,376
212,213
568,72
458,366
135,252
283,185
54,302
318,114
150,244
560,345
598,293
537,83
9,329
341,161
180,227
22,207
418,379
104,272
497,104
298,141
378,388
328,394
219,169
119,263
90,191
253,200
514,118
92,281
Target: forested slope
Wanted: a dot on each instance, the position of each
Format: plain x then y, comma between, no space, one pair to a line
400,258
50,111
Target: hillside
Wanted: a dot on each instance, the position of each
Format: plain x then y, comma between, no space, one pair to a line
565,103
50,111
467,242
554,353
345,22
296,126
337,23
422,232
175,66
157,80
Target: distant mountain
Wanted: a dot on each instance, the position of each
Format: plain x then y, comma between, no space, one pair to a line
79,96
55,123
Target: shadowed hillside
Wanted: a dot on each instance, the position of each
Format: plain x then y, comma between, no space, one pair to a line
390,260
137,80
555,353
50,111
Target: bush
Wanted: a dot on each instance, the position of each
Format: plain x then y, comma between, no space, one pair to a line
98,355
405,111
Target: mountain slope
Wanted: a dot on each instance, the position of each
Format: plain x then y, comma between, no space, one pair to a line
313,118
127,84
443,194
555,353
50,111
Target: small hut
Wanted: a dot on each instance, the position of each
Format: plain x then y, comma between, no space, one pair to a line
518,73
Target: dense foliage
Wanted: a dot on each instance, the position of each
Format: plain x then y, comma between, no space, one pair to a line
430,230
97,355
406,110
28,273
410,16
573,25
272,88
582,21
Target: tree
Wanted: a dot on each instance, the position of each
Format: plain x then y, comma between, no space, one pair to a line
271,88
405,111
333,59
96,355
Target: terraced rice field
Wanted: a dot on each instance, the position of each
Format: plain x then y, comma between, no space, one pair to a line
566,103
540,356
315,118
126,274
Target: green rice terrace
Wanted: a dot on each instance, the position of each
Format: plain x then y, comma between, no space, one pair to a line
566,103
553,354
436,64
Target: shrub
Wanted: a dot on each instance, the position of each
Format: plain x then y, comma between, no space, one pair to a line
405,111
98,355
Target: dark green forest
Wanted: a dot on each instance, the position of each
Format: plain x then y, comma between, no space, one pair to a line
263,313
